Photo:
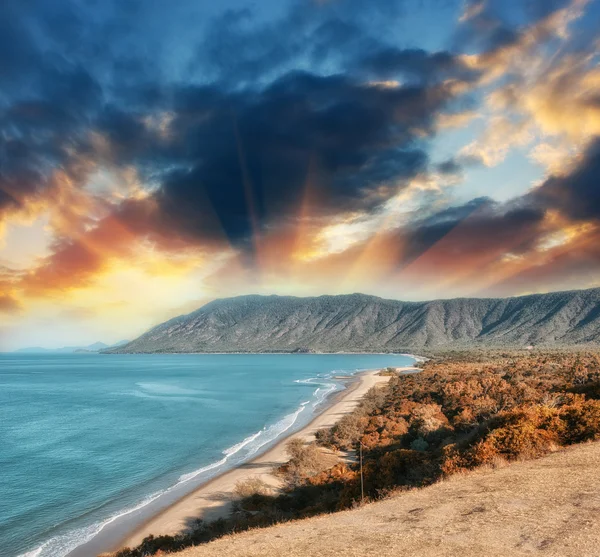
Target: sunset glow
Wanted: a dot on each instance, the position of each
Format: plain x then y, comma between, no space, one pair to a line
302,148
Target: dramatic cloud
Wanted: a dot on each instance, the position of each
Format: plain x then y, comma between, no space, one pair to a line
577,194
241,154
204,150
416,65
251,157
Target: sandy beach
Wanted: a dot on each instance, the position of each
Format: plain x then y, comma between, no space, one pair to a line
214,499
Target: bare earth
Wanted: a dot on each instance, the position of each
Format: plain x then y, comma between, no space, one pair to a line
548,507
214,499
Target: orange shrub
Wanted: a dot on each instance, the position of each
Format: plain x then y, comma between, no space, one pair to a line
582,421
464,410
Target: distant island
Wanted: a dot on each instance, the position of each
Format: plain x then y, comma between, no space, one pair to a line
90,348
361,323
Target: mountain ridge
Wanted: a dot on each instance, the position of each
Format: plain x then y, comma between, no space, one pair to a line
91,348
364,323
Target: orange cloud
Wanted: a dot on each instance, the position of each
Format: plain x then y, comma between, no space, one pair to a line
573,264
548,92
8,304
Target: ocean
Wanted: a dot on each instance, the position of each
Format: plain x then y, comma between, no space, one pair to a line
89,440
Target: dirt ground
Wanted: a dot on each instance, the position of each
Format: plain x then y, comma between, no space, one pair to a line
548,507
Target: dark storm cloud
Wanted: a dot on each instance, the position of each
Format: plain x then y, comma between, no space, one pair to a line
518,225
415,64
449,167
47,102
42,43
250,155
234,154
461,235
576,195
43,133
483,30
17,51
66,70
328,36
422,235
235,48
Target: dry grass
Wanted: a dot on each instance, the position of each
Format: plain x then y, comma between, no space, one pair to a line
463,412
548,507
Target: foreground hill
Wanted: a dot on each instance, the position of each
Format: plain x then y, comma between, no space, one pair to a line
543,507
358,322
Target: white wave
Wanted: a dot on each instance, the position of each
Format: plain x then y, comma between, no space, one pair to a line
227,452
141,394
62,545
236,448
35,552
265,436
325,388
321,395
273,432
167,390
187,477
417,359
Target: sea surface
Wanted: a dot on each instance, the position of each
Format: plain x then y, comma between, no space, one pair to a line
87,440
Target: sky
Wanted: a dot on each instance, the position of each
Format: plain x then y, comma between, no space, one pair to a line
156,155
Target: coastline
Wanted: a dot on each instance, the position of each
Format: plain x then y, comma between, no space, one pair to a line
214,498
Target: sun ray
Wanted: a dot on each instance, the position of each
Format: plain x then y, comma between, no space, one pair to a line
249,194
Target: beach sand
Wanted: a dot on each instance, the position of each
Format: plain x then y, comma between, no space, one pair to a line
215,498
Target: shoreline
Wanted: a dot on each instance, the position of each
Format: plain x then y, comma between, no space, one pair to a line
214,498
407,354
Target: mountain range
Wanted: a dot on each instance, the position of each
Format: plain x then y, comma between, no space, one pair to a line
361,323
95,347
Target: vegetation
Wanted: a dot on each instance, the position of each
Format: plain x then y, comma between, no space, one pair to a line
463,411
250,487
306,460
388,372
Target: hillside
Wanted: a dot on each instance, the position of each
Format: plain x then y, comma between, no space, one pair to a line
357,322
543,507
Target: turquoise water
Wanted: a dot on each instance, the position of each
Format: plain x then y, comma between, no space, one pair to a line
88,440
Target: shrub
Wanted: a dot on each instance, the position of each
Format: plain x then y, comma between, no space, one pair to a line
582,421
346,433
250,487
400,467
464,410
427,419
306,460
419,444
